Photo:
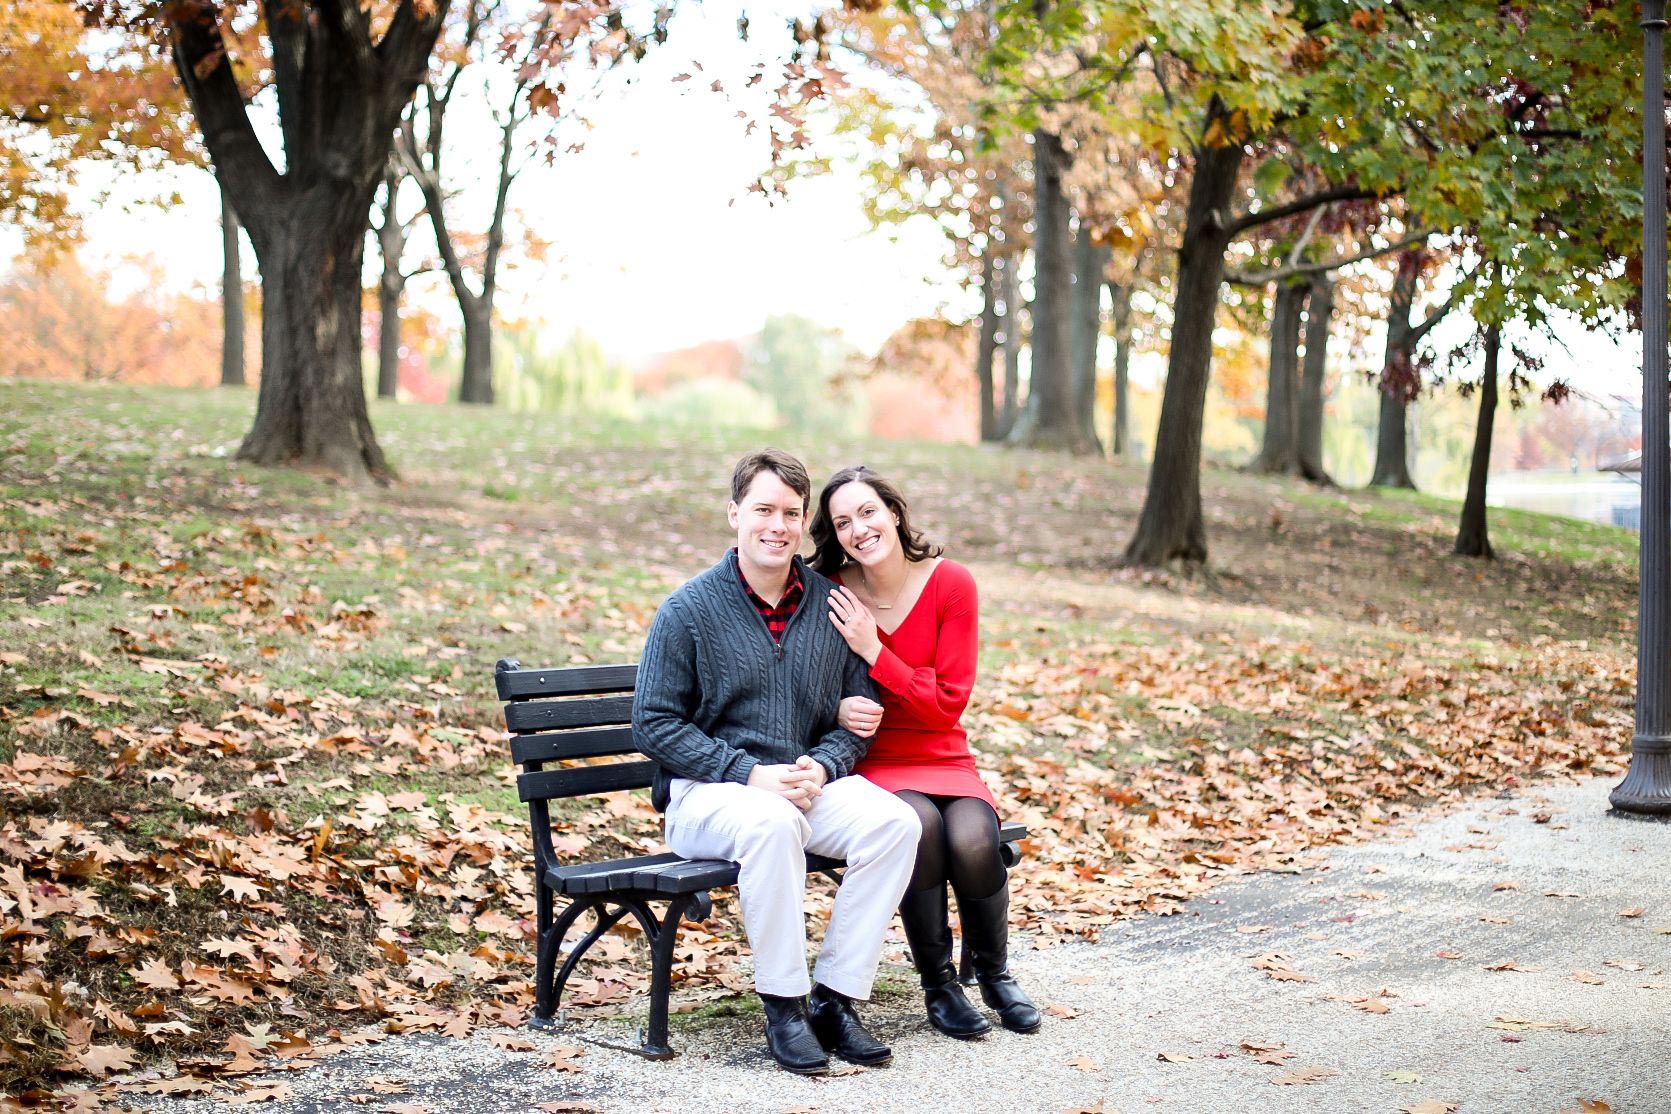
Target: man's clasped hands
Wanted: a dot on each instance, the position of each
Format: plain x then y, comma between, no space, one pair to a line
801,783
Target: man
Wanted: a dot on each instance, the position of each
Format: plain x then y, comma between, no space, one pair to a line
736,701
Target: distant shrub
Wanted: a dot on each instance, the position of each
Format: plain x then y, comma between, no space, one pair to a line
710,402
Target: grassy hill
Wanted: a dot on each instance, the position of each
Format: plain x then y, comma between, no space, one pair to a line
253,782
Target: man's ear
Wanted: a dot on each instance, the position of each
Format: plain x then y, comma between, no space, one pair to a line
731,512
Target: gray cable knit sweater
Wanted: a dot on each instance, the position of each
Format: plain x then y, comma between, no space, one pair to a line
716,695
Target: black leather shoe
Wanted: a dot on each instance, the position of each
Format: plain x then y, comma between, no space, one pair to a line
789,1038
986,933
923,913
836,1025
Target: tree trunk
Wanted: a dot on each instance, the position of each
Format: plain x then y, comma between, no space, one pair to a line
339,97
477,383
1120,295
311,408
992,267
1047,422
1171,527
1011,407
231,299
391,245
389,289
1399,380
1472,538
1089,261
1279,452
1313,389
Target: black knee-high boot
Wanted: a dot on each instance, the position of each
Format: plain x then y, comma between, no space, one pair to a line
928,931
986,933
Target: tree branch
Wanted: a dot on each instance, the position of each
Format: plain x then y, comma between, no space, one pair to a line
351,26
1298,205
1296,270
239,161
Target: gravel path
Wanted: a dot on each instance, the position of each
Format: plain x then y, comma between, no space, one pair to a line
1395,1003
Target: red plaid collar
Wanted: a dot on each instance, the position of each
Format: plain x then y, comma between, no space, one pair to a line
776,618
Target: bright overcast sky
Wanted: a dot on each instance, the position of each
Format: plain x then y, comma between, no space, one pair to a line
655,242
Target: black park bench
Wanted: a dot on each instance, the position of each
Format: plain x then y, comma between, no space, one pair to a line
571,732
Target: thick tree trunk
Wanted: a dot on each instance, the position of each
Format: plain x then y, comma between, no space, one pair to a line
1047,422
1472,537
339,98
477,383
231,299
1313,388
1120,296
1399,381
1171,527
1089,261
1279,451
311,409
992,267
1011,406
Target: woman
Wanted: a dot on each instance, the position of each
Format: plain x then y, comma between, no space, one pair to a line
911,614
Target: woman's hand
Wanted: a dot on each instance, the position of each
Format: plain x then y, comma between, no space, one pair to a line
860,715
856,624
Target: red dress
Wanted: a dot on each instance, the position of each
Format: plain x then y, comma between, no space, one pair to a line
925,672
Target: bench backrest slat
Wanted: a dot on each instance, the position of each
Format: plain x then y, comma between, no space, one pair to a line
595,742
579,680
547,715
581,781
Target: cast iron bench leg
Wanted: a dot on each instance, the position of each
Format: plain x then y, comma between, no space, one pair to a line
548,991
655,1046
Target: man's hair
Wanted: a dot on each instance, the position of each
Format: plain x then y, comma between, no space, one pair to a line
781,464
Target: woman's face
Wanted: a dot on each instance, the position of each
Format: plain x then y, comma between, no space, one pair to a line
863,524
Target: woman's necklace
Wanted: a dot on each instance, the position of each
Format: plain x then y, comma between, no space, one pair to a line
871,592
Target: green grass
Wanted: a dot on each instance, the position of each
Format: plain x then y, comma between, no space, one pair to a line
131,544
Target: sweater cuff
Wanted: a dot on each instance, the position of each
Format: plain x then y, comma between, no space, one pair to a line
742,768
890,672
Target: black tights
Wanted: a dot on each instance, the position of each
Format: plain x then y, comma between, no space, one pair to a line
959,844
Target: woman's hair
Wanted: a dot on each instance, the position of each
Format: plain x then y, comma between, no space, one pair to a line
828,556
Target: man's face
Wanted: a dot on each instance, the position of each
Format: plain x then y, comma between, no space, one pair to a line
769,522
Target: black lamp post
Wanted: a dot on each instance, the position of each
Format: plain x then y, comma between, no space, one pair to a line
1646,790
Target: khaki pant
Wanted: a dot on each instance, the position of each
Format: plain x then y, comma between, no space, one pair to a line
769,838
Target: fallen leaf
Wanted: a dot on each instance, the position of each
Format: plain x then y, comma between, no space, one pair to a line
1174,1057
261,1092
1401,1077
1633,911
154,973
1429,1106
102,1059
1302,1076
1084,1063
562,1058
1063,1012
1588,977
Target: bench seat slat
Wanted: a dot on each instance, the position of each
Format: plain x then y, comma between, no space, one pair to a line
668,873
548,715
594,742
579,680
584,781
665,873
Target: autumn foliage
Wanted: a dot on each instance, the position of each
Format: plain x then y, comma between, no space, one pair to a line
61,321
